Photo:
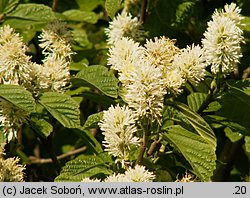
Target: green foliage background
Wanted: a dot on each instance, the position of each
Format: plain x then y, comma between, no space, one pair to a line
208,141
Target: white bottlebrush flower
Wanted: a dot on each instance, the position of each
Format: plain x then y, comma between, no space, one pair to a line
55,41
222,44
14,63
145,93
53,75
118,126
7,127
2,145
124,56
188,177
160,52
232,11
116,178
136,174
123,25
139,174
173,81
191,63
11,171
90,180
11,118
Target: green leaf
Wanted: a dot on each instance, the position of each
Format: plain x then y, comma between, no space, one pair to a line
199,124
112,6
247,144
7,6
233,136
43,127
82,16
184,11
18,23
99,77
89,140
81,38
243,85
213,107
219,121
85,166
33,12
195,100
173,116
62,107
102,100
93,120
18,96
197,151
235,106
77,66
89,5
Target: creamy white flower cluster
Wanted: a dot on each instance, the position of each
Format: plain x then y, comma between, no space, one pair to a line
124,25
16,68
136,174
222,40
14,63
53,74
149,72
11,118
119,129
11,171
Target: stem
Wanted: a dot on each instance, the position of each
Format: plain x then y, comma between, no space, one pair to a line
48,147
144,143
54,5
154,143
141,153
205,103
2,16
143,11
219,76
19,135
213,91
227,157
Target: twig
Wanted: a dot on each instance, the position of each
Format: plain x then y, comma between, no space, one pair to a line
54,5
144,143
152,147
246,73
141,153
205,103
47,143
19,135
143,11
35,160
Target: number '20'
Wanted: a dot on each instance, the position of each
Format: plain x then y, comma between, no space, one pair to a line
240,190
